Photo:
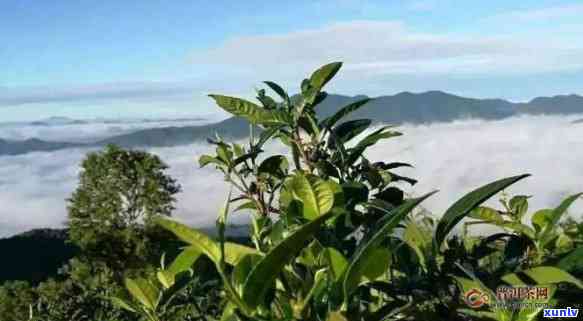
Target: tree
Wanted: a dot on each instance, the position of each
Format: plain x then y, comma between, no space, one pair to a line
16,300
110,212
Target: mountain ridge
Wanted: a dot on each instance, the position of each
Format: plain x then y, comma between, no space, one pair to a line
404,107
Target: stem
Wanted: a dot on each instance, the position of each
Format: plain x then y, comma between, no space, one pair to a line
298,140
234,297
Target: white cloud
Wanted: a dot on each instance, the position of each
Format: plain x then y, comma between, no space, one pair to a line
28,95
453,157
549,14
92,131
390,47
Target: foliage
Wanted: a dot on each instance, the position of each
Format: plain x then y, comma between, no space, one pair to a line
336,238
333,235
77,295
110,212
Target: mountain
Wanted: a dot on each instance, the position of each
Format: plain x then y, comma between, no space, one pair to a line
58,121
172,136
35,255
38,254
559,105
405,107
428,107
8,147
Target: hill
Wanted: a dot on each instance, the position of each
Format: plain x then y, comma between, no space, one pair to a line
38,254
35,255
405,107
8,147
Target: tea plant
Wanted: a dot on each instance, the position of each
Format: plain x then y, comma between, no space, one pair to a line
334,236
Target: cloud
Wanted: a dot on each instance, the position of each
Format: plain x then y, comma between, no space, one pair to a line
31,95
549,14
390,47
452,157
91,131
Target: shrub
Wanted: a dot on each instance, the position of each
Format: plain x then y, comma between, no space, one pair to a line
336,238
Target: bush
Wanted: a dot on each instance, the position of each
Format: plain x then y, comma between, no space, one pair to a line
336,238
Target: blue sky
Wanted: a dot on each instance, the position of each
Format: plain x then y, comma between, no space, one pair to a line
151,58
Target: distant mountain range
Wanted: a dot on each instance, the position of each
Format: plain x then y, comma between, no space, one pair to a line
405,107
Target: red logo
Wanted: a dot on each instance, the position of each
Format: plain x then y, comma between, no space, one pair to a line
475,298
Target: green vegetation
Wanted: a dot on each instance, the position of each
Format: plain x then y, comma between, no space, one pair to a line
110,213
332,234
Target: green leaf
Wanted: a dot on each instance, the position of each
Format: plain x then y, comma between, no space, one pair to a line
206,159
143,292
336,262
165,278
519,206
276,166
264,273
370,140
239,150
467,203
343,112
486,214
319,284
475,282
356,192
560,210
547,275
364,253
336,316
250,111
266,135
417,239
549,232
242,270
224,153
316,194
572,262
520,228
246,206
120,303
377,264
348,130
563,242
184,260
513,280
189,235
234,252
324,74
278,90
375,136
541,219
266,101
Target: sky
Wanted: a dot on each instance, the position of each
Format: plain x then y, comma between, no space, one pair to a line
116,59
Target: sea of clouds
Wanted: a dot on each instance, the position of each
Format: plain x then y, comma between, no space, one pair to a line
451,157
91,131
